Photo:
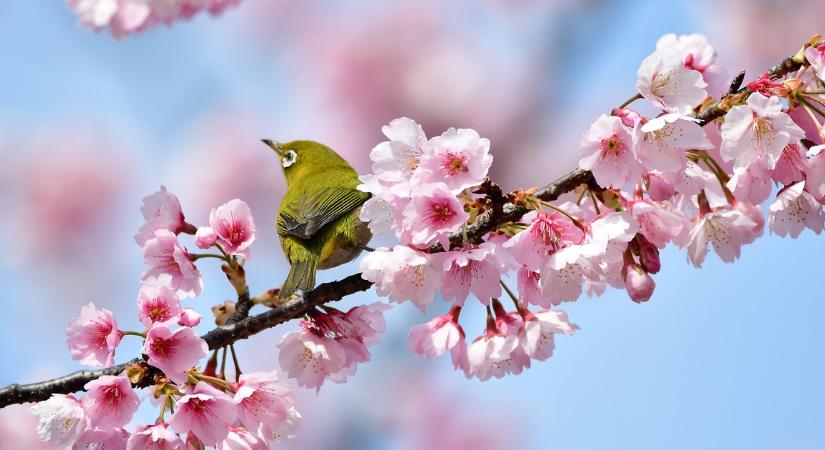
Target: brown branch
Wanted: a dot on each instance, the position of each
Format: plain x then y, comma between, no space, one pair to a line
241,326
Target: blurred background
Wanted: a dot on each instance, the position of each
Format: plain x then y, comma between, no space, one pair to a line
727,357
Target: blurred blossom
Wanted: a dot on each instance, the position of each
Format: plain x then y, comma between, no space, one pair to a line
18,429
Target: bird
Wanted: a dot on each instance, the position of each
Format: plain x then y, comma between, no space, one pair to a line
317,221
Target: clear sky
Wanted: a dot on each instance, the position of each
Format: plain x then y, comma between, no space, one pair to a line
726,357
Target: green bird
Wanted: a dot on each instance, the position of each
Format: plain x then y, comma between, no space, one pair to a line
318,218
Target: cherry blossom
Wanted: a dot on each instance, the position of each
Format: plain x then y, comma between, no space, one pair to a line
546,233
261,399
157,303
538,335
93,337
460,158
125,17
207,413
530,288
235,229
205,237
99,438
110,401
791,166
174,352
394,161
62,420
403,274
471,270
794,210
169,262
154,437
663,142
310,358
242,439
657,187
608,150
758,130
432,215
437,336
664,80
488,354
659,222
815,173
161,211
700,56
816,57
726,229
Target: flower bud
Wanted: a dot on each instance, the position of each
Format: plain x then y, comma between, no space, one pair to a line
658,188
205,237
638,283
648,255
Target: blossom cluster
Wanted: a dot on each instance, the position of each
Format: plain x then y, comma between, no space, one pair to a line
125,17
205,409
667,178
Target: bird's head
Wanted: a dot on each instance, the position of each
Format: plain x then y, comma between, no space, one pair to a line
300,158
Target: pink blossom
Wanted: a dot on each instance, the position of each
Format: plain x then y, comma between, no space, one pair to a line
816,57
608,150
437,336
261,399
638,283
93,337
287,429
174,352
205,237
62,420
161,211
752,183
207,413
154,437
471,270
169,262
364,323
530,290
488,354
403,274
664,80
547,233
537,337
125,17
794,210
242,439
758,130
657,187
663,141
310,358
700,56
815,173
157,303
726,229
754,213
791,166
394,161
110,401
103,439
379,211
234,226
432,214
659,222
459,158
189,318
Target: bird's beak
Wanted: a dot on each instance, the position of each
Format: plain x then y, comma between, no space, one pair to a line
274,145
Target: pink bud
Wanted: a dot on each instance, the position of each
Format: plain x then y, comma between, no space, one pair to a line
205,237
638,283
648,255
189,318
658,188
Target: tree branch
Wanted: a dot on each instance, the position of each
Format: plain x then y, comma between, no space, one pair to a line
242,327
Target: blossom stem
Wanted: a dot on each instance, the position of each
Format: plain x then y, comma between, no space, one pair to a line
216,381
812,92
197,256
630,100
575,220
163,407
509,292
595,202
805,102
223,363
235,361
133,333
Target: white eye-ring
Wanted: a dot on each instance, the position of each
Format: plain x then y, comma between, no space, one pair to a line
289,159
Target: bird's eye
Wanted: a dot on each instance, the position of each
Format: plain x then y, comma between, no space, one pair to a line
289,158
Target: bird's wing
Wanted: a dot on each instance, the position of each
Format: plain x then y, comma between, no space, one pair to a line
303,216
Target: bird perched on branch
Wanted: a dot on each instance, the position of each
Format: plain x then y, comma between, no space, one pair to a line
318,218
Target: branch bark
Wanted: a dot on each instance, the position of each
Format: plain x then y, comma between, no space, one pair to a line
242,327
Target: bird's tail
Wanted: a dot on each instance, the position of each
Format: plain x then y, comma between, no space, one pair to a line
301,276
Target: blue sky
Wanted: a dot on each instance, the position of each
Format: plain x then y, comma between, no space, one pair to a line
726,357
